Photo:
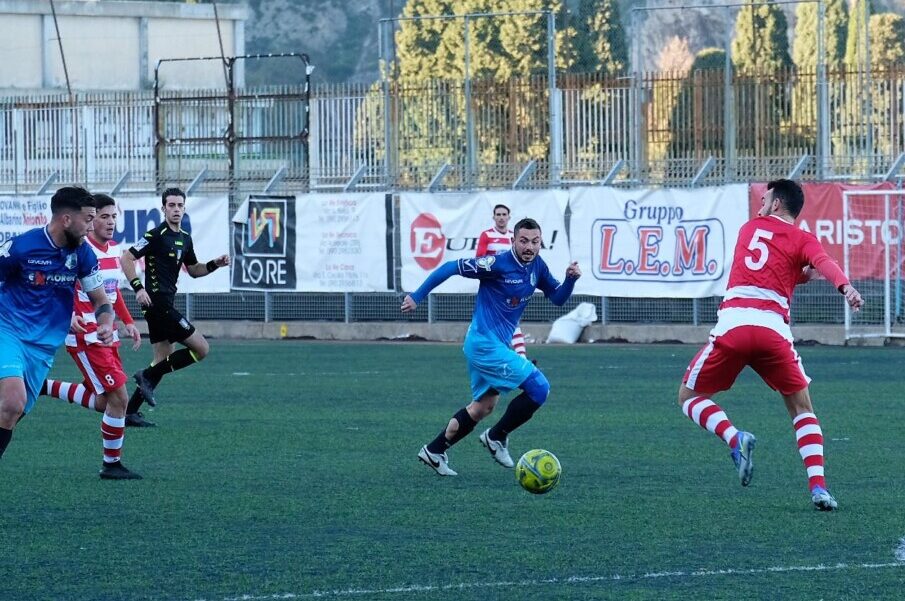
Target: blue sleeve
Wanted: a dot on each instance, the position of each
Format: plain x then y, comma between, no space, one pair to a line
557,292
87,260
437,277
9,262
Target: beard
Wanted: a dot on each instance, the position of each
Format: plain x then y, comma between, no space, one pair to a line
72,241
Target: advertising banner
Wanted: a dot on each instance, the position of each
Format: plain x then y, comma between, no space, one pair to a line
206,219
264,244
655,243
343,246
869,224
435,228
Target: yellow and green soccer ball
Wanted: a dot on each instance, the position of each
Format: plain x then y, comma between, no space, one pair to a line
538,471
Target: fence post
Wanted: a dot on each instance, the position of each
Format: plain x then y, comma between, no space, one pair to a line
19,127
556,125
470,142
268,308
729,152
347,307
90,145
188,306
823,99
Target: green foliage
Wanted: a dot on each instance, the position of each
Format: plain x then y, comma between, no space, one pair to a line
887,40
697,121
855,41
600,37
804,46
761,42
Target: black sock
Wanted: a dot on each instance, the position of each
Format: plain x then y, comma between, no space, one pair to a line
176,360
5,436
43,388
519,411
466,425
135,402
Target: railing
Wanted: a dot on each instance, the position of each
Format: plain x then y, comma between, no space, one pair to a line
401,135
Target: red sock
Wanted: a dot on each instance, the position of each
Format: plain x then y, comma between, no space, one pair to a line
113,430
709,416
810,446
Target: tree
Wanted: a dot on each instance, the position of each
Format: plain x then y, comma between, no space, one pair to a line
887,50
697,121
857,30
673,63
804,48
600,38
887,40
761,42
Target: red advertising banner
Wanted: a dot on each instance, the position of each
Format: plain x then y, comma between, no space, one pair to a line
870,225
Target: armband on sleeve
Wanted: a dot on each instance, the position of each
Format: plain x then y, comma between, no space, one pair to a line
211,266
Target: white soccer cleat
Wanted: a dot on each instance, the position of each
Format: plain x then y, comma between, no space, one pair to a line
439,462
498,450
823,500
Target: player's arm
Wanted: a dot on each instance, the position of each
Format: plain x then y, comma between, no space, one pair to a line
199,270
127,262
829,269
437,277
92,284
9,262
557,292
122,312
483,241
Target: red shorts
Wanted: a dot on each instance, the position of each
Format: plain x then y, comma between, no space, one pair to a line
101,366
773,357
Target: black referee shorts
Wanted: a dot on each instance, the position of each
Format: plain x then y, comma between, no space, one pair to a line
166,323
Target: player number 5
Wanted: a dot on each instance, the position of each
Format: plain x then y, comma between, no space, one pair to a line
757,245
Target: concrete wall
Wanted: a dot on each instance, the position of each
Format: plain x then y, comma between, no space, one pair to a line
455,332
114,45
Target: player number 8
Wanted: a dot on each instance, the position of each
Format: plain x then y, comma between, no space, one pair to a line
757,245
109,379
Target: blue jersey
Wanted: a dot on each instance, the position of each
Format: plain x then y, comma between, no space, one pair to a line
38,285
507,286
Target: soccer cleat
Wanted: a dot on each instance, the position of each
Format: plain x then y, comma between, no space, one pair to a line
823,500
438,462
742,457
498,450
145,386
117,471
137,420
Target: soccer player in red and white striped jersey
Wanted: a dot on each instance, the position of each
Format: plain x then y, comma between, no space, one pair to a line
772,256
494,241
104,388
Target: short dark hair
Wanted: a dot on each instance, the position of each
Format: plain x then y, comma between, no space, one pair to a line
525,224
171,192
70,198
789,193
501,207
102,200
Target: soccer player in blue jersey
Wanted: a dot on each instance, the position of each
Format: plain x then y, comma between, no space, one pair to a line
508,282
38,272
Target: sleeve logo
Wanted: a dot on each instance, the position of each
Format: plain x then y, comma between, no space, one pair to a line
485,262
141,244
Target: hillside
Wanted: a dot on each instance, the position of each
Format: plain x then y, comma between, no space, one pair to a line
341,36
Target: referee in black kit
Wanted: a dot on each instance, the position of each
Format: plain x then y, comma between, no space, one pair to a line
166,249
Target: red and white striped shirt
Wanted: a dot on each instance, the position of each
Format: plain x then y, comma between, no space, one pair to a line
492,242
769,258
108,262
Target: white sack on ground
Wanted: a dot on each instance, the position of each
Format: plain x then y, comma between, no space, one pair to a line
568,327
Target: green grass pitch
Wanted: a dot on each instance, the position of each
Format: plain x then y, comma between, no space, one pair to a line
288,470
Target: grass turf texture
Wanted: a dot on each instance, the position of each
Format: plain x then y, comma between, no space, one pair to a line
300,476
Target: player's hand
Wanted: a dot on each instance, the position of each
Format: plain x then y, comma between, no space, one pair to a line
105,333
134,334
852,297
408,304
222,260
76,324
143,298
573,271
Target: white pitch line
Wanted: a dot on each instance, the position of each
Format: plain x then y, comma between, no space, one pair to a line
427,588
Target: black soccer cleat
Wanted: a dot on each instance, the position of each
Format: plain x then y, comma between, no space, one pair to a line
117,471
145,386
137,420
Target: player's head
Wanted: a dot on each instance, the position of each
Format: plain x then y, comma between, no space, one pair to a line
526,240
782,196
105,220
501,217
173,205
72,208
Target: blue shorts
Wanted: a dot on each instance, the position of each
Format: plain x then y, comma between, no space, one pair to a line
20,359
493,364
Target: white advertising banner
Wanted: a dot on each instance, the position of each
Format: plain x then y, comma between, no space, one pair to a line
206,219
656,243
435,228
342,243
19,214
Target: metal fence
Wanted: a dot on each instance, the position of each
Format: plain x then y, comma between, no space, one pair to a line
415,135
